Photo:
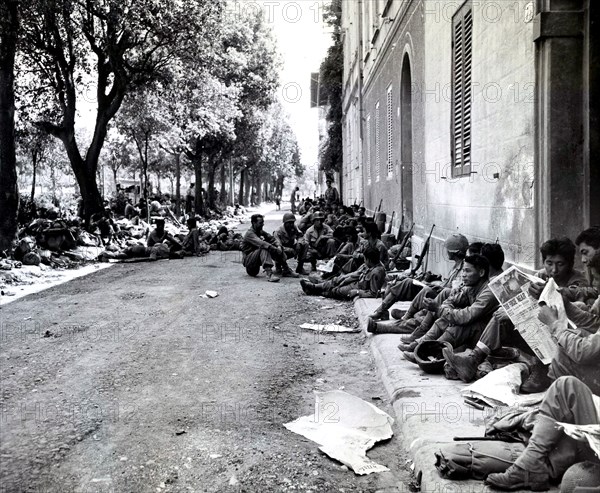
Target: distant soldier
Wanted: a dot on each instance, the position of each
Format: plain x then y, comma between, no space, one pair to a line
332,196
293,199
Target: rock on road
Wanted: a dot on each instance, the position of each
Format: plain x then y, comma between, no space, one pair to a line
128,381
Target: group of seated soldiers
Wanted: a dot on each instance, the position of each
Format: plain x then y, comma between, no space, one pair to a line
161,244
461,310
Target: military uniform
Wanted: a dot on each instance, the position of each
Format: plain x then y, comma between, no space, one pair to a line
257,250
365,282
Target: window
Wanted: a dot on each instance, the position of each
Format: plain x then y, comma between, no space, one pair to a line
377,143
368,149
390,128
462,53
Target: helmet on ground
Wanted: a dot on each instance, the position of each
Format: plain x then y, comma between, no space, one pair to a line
457,243
289,217
580,475
429,357
318,215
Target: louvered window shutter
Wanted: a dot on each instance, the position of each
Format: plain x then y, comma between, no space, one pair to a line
368,149
377,142
390,128
462,55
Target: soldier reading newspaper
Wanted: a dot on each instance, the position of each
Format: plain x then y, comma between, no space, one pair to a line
511,288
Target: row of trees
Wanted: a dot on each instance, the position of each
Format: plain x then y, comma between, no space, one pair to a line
331,82
173,82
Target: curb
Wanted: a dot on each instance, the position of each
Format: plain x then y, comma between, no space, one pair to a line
429,409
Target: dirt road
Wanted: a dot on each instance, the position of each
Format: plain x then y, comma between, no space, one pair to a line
128,381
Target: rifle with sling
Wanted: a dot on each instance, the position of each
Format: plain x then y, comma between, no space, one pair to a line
389,230
424,253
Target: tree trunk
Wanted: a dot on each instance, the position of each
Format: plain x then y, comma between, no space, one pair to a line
241,195
115,170
257,188
34,160
223,195
9,191
247,188
211,182
197,160
178,184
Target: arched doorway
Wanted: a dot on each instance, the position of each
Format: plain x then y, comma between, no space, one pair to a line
406,137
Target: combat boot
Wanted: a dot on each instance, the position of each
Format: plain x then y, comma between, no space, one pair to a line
300,269
465,364
271,277
382,312
530,471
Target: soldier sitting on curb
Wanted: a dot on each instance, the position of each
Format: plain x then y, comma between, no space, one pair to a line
550,452
558,256
461,318
403,288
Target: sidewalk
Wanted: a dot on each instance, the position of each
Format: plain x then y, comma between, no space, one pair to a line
429,409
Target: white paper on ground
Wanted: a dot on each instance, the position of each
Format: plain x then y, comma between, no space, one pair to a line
209,294
501,388
328,328
345,427
327,267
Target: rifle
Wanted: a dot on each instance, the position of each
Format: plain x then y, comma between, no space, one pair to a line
424,253
389,230
403,244
378,209
399,235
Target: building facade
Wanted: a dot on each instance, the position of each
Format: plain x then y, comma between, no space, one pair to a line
478,116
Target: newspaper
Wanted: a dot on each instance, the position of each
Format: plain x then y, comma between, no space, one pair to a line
511,288
345,427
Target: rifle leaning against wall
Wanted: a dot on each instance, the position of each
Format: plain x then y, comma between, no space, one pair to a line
378,209
389,230
424,253
399,235
403,244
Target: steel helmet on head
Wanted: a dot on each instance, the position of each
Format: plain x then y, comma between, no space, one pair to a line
456,243
289,217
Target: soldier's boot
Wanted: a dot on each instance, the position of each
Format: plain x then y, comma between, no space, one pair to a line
382,311
300,268
530,471
465,364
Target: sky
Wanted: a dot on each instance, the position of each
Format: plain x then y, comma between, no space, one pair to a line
302,40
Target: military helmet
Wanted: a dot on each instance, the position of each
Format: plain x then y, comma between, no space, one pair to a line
456,243
580,476
289,217
318,215
429,357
